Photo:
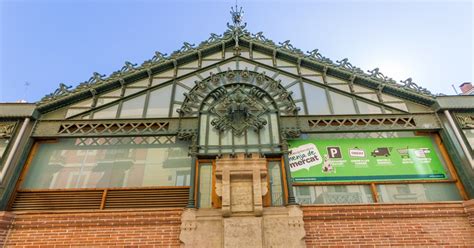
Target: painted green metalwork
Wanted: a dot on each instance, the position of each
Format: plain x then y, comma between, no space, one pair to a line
238,37
289,185
258,83
460,161
341,123
98,128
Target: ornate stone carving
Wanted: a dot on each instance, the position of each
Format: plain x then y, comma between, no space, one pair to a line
466,121
6,129
244,194
241,184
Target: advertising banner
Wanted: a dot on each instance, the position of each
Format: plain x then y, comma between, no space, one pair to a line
333,160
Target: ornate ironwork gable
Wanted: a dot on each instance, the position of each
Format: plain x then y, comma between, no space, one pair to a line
237,38
234,89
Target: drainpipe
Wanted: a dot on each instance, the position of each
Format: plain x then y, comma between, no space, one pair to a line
14,149
459,137
289,186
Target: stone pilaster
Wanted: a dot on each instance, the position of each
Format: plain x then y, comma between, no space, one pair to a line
241,183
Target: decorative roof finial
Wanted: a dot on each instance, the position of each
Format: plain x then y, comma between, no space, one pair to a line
237,18
237,27
237,15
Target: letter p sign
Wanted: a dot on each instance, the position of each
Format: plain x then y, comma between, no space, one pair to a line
334,152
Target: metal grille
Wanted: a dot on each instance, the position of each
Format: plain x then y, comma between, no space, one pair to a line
113,128
114,141
394,122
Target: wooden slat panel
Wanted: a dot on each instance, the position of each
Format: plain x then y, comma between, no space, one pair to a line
57,200
151,198
65,199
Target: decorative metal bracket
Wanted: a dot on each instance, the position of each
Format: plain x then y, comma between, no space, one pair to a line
291,132
186,134
6,130
465,121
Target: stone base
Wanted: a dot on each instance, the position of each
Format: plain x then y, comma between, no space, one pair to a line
201,228
245,231
277,227
283,227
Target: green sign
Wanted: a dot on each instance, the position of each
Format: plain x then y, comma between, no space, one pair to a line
364,160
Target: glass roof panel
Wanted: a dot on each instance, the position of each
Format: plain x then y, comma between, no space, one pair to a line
133,108
367,108
107,113
342,104
316,100
159,102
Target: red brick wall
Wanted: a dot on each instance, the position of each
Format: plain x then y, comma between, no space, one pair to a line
5,223
441,224
469,206
91,229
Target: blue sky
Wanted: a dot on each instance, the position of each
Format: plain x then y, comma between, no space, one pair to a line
46,42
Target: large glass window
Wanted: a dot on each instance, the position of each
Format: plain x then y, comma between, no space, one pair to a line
337,194
109,163
403,169
418,192
276,185
205,185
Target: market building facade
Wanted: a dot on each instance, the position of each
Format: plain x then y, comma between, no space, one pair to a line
238,142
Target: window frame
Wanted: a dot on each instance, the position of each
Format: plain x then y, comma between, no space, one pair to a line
104,191
454,179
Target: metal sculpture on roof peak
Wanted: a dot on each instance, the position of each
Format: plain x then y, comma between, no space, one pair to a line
237,16
238,27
